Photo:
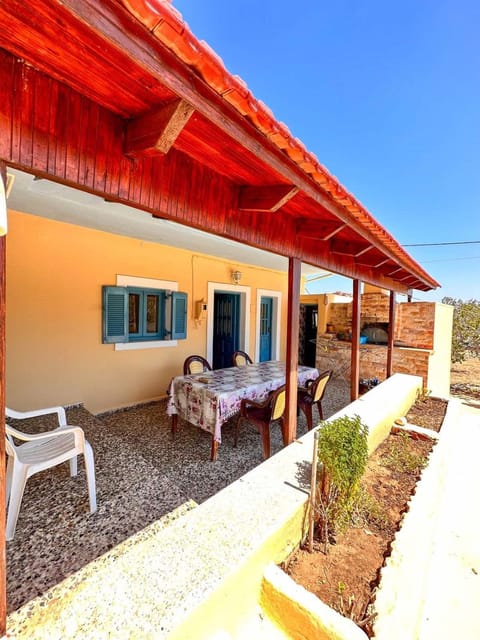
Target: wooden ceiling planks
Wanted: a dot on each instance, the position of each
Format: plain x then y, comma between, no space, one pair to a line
230,151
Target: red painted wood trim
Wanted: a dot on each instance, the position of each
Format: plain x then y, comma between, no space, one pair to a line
318,229
391,333
3,569
157,131
291,373
268,198
355,362
130,53
37,136
346,247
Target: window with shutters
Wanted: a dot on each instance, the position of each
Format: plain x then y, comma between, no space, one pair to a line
143,315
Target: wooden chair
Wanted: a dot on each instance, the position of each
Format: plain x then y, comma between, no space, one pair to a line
195,364
240,359
261,414
311,394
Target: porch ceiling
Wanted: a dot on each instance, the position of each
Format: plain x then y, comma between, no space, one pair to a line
168,101
59,202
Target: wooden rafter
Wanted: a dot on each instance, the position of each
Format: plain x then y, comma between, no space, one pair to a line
265,198
349,248
318,229
156,132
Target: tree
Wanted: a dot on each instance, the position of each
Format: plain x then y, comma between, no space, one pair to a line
466,328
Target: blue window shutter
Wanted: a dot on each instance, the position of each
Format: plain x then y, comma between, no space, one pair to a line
179,315
115,314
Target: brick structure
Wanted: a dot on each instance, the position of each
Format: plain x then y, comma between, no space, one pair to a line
422,340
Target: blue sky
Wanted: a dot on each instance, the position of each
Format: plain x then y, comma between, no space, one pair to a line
387,95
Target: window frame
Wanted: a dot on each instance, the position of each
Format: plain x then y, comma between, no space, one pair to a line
143,335
173,316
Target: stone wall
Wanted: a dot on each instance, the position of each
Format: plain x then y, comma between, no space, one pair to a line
415,324
336,355
414,321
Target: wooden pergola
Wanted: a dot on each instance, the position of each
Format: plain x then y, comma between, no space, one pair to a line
118,98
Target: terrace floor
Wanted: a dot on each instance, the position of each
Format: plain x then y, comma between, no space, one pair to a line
143,476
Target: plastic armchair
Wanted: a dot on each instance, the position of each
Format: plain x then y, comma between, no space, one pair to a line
311,394
41,451
195,364
261,414
241,359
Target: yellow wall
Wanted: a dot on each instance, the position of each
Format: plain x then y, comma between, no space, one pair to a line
439,363
55,354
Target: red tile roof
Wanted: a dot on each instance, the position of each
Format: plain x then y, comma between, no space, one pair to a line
167,24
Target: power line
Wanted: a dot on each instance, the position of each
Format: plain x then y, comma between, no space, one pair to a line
451,259
441,244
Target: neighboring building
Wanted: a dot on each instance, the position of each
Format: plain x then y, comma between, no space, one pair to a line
422,337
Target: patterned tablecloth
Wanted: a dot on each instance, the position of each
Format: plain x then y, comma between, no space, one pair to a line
208,399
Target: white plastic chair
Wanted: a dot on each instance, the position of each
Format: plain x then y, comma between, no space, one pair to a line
41,451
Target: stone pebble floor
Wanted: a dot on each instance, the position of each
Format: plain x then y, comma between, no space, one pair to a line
143,476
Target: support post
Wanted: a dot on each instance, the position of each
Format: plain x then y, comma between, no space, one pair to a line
3,570
391,333
291,373
355,362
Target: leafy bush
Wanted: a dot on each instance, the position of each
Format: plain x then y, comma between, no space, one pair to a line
343,454
466,328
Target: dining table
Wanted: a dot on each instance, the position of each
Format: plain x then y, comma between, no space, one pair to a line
210,398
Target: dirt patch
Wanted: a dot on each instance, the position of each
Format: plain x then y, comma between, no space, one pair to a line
428,413
465,379
347,577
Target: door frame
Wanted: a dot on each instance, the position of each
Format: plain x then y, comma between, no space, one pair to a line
276,324
245,297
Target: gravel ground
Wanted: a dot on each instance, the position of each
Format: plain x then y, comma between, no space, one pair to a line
142,474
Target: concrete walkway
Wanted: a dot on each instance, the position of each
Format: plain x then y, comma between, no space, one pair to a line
431,583
453,588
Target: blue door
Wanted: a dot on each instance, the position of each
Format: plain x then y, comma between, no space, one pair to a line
266,305
226,328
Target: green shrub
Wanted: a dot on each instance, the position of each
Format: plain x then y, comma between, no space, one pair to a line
401,458
342,454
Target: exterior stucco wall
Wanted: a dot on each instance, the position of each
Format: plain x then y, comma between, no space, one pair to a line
439,363
55,354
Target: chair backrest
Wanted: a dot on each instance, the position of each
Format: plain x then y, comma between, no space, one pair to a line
278,403
10,447
241,358
318,387
195,364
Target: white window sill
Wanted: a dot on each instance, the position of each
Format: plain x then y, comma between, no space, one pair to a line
153,344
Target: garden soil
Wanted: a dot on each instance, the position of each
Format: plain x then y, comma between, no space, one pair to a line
346,578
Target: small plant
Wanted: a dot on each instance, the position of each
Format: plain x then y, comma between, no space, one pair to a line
367,511
342,454
341,587
423,394
400,457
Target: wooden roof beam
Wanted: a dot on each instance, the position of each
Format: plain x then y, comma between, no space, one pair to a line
267,198
319,230
349,248
369,260
156,132
391,273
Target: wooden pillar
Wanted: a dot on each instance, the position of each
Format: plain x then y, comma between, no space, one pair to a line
3,571
291,373
355,363
391,333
